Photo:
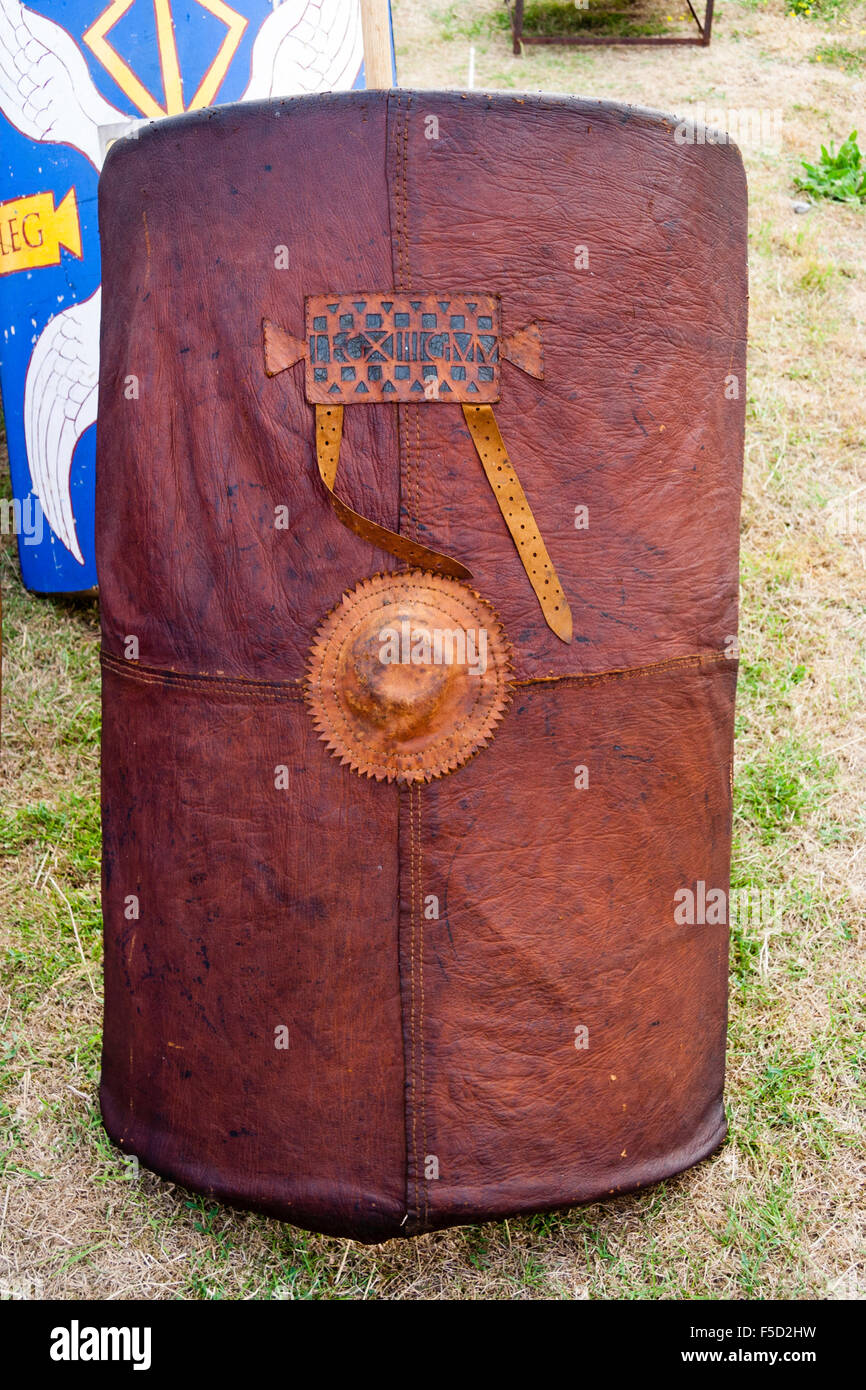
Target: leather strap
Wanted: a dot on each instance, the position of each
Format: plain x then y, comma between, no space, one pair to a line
391,333
518,518
329,432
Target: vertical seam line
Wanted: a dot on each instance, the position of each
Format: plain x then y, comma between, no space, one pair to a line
421,1176
423,1088
413,491
417,507
412,1006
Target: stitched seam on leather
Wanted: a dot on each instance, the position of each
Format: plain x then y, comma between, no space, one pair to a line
416,952
416,519
401,137
425,1188
402,195
418,924
413,489
245,685
403,466
412,1037
411,514
416,1090
628,672
188,680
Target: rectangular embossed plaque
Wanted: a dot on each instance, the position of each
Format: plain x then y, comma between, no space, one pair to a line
397,347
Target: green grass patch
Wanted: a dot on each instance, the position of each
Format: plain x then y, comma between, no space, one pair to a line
776,791
454,23
549,19
818,10
63,846
836,55
838,175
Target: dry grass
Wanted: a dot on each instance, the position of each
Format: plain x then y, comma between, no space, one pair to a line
775,1214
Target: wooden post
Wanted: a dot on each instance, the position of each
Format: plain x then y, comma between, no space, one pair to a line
377,43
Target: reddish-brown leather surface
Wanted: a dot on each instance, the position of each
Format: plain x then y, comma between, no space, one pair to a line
557,914
249,922
414,1038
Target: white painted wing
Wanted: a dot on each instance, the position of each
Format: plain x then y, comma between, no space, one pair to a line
59,405
307,46
46,91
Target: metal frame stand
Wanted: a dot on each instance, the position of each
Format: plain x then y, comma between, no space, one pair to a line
702,40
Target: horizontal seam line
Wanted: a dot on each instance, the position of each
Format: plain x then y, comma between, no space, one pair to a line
629,672
150,675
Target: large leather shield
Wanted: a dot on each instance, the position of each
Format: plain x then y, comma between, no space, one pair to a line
419,460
